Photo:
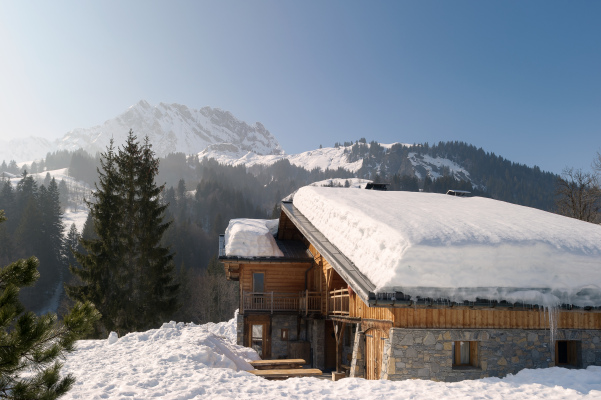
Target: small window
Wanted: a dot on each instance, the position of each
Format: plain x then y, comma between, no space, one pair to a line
284,334
465,354
566,353
258,282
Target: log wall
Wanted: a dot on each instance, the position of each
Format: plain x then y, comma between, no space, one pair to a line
477,318
286,278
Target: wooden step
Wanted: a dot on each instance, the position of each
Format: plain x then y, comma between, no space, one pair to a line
286,373
279,364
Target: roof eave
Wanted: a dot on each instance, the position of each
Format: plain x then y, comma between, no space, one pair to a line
345,268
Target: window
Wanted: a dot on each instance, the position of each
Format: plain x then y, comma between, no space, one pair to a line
284,334
566,353
257,338
258,282
465,354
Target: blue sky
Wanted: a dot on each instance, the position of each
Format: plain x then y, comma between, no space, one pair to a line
519,78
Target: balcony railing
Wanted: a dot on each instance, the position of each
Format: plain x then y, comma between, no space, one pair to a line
310,302
305,302
339,302
271,301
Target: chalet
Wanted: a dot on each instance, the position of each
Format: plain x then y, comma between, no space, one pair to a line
398,285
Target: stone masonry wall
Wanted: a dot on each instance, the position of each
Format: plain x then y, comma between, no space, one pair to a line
240,329
279,347
318,342
428,353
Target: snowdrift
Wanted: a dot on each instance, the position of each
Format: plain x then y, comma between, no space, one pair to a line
187,361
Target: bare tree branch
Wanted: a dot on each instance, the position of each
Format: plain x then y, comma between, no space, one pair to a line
578,195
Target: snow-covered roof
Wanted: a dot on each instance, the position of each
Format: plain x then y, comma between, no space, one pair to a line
439,246
252,238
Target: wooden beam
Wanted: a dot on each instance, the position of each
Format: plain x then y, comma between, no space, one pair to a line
285,373
339,334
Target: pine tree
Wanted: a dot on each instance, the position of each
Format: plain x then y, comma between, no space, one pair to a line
125,271
34,344
100,265
160,289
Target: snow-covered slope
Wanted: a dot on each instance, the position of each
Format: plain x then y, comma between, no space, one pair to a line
170,127
187,361
334,158
25,149
425,165
325,158
439,246
74,214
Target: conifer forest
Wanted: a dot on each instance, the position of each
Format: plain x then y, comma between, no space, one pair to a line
149,245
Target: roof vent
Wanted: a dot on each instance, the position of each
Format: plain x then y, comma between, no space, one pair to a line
460,193
377,186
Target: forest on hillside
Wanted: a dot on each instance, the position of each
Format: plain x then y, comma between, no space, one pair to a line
202,196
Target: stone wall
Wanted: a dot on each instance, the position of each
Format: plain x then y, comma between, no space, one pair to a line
317,339
279,347
428,353
240,329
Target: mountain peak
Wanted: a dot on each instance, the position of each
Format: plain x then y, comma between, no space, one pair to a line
171,128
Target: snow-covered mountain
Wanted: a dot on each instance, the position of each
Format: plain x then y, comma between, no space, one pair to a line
25,149
324,158
422,165
170,127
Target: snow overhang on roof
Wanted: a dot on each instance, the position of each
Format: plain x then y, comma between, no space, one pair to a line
345,268
459,249
292,250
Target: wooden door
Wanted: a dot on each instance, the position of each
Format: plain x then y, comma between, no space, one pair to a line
330,346
257,332
374,352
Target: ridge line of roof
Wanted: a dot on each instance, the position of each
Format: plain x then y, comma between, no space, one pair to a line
345,267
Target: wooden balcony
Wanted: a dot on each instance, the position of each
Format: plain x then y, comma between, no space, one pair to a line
310,302
304,302
338,302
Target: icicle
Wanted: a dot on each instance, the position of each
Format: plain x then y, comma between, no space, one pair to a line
553,311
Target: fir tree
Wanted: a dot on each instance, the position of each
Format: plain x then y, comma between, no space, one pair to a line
159,287
34,344
100,265
124,270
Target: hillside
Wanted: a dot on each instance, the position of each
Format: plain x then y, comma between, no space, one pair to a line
449,165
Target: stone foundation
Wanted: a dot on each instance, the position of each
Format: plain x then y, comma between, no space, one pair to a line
317,339
240,329
428,353
279,347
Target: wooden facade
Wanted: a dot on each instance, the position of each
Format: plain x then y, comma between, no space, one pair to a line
459,317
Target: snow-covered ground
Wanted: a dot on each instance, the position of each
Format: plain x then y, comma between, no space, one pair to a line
187,361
